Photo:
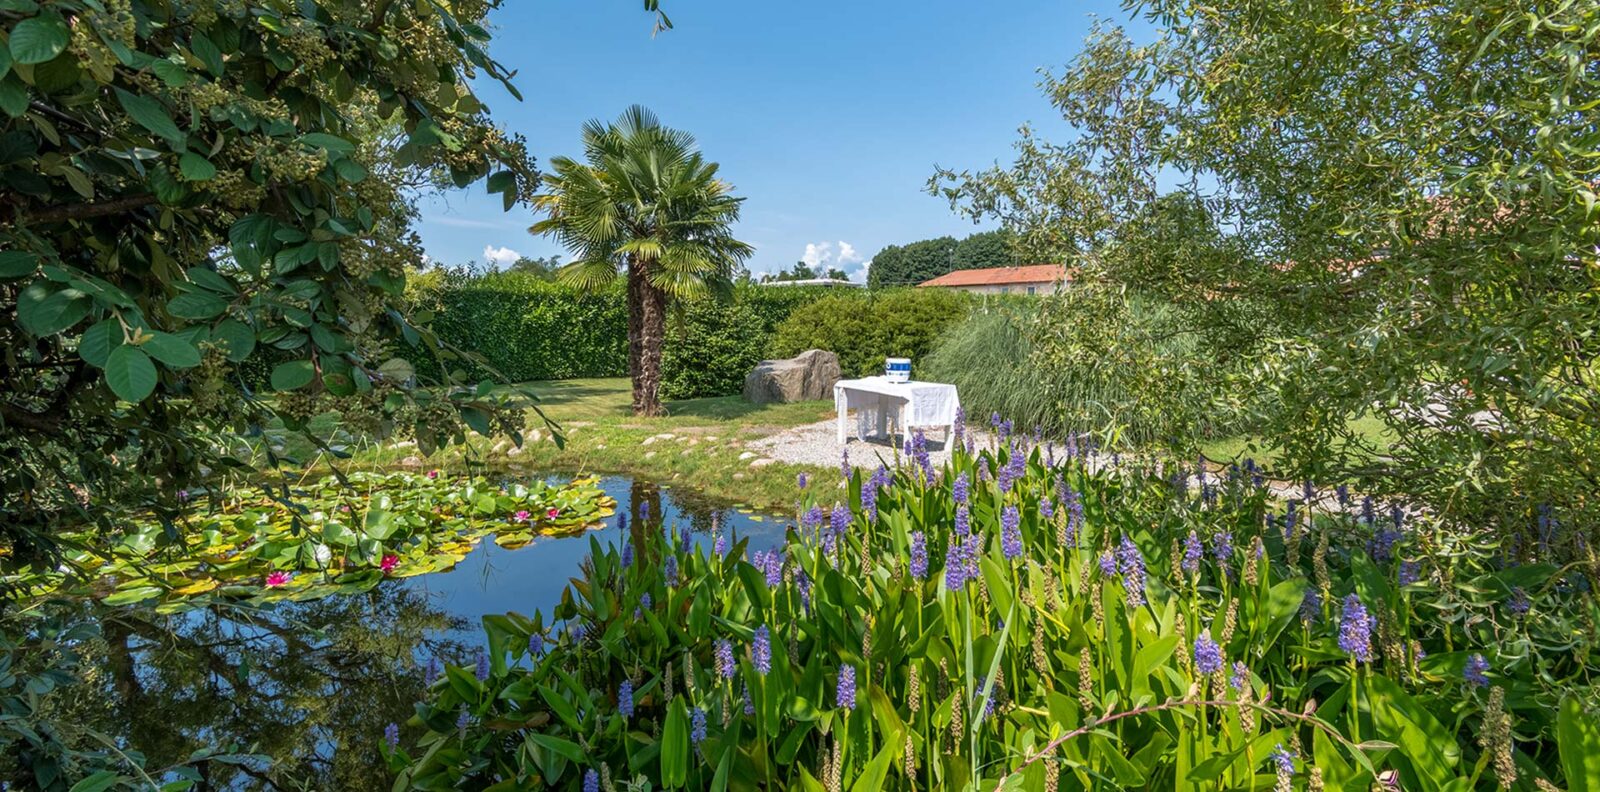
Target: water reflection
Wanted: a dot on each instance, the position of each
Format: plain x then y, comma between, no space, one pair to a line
312,685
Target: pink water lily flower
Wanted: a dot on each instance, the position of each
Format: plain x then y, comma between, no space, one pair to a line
553,513
276,579
388,563
521,516
433,474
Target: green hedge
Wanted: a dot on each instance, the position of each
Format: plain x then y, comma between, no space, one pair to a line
713,344
528,328
863,328
532,329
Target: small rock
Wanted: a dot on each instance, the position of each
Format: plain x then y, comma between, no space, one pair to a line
711,438
761,462
600,447
738,477
514,452
534,436
746,455
411,461
648,441
649,454
686,452
665,436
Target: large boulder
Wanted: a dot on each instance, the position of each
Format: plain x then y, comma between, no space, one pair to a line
806,377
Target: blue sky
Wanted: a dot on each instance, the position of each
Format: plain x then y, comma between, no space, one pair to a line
828,117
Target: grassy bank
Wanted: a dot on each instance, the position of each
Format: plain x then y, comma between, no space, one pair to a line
699,444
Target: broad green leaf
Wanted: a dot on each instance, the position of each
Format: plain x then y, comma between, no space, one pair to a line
196,305
1578,739
44,308
39,39
675,746
17,263
98,781
97,342
209,279
151,115
195,167
236,337
171,350
13,96
130,374
292,374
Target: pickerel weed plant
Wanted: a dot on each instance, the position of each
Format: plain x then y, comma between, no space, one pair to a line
1063,625
331,537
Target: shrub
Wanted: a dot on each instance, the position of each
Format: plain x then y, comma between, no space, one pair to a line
1086,360
528,328
1095,622
863,329
712,344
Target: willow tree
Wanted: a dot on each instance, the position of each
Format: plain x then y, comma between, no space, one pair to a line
1406,199
645,203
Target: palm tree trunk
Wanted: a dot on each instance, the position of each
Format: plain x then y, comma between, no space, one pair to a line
647,317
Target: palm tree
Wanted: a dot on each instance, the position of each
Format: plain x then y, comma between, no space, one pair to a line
646,202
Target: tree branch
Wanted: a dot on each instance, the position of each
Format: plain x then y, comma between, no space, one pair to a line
57,214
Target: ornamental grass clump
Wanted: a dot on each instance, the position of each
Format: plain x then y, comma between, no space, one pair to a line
969,639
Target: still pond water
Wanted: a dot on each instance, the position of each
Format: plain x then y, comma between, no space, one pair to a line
312,685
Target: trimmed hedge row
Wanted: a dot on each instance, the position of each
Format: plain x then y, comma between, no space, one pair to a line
527,328
532,329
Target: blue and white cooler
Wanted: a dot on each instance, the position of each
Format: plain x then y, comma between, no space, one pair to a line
897,369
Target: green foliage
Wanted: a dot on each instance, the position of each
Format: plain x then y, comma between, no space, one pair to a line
526,328
911,264
1099,627
186,182
916,262
647,202
336,537
1400,191
712,344
863,329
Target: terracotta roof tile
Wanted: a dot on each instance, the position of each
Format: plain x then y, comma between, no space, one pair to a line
1000,276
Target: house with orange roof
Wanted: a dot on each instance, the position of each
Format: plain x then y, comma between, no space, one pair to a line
1031,279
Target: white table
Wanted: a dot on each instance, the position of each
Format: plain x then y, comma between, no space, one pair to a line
914,404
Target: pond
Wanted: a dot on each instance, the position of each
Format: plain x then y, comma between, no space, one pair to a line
313,684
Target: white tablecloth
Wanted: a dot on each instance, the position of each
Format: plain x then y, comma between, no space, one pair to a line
914,404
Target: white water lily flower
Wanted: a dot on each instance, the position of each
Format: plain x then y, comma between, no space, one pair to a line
318,516
323,554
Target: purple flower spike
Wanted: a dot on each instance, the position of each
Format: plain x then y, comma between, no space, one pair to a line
1130,562
1011,533
1355,630
1207,655
800,480
1477,671
591,781
1240,676
481,670
724,654
697,727
961,490
919,556
391,735
955,568
1191,553
845,694
625,698
761,650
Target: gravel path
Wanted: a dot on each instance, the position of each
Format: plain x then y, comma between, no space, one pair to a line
817,444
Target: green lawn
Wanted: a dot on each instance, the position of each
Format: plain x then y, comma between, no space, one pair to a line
1367,429
707,437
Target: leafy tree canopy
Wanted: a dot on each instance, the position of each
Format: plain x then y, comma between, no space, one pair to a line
191,186
1388,207
913,263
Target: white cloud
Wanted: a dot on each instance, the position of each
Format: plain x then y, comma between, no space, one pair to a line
817,254
823,255
500,256
847,253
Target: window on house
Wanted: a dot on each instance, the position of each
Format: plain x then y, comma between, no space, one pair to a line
1031,290
1005,289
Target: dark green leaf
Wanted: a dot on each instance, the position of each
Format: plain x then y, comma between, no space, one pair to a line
97,342
17,263
236,337
292,374
1578,739
151,115
45,308
130,373
39,39
196,305
171,350
195,167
